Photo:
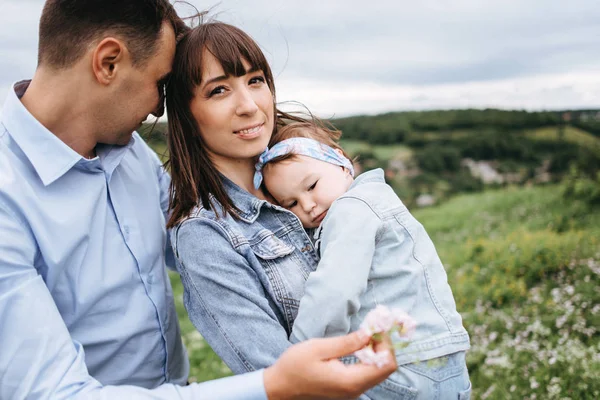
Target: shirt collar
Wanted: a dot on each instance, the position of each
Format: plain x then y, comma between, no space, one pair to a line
51,157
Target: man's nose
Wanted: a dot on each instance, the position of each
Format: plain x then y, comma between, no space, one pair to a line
160,107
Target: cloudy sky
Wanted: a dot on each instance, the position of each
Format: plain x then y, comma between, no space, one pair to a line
344,57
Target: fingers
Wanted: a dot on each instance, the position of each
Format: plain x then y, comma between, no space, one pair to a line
340,346
385,344
358,378
366,376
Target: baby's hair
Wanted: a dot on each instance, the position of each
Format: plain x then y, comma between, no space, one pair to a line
315,129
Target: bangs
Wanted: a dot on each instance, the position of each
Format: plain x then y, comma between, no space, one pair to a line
231,47
228,44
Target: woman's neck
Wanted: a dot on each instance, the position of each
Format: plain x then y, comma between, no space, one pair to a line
240,172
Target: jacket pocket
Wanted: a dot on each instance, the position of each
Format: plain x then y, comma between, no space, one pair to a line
267,246
465,394
285,271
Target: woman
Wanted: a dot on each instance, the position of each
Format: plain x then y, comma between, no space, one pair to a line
243,260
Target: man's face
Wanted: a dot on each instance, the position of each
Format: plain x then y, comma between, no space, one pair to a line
141,91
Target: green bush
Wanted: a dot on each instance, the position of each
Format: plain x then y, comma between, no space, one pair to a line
438,159
579,187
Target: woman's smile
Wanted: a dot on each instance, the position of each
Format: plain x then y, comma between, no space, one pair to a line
251,132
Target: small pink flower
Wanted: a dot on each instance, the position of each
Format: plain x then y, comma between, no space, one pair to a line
378,320
382,319
405,323
369,357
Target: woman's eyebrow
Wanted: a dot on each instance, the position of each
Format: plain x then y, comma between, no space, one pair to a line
215,79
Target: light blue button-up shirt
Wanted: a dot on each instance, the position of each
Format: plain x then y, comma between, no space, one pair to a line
86,308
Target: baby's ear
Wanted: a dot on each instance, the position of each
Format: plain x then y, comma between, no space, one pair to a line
339,152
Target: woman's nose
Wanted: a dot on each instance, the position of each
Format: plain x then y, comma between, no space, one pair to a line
246,104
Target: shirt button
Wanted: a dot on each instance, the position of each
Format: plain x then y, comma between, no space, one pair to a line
305,249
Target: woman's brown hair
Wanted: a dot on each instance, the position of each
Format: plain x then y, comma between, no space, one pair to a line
195,179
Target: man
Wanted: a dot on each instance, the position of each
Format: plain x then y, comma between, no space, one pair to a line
86,309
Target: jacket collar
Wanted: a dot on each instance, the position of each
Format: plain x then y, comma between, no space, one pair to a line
374,175
248,204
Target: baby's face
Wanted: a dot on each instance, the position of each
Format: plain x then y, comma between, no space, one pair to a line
306,186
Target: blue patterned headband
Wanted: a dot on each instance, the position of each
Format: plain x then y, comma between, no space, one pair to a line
304,147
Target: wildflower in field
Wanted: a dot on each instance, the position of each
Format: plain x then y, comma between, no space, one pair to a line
383,320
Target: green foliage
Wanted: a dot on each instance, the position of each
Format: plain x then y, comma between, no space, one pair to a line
439,159
579,187
394,127
527,291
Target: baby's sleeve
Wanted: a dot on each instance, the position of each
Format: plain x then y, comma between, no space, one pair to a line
332,292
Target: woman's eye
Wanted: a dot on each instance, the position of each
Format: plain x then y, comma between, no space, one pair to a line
257,80
311,187
217,90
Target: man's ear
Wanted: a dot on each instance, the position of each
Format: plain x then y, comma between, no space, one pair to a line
107,59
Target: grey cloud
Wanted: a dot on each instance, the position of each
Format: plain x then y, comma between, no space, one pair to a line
383,41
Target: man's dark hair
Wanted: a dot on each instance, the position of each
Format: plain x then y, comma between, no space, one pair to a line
68,27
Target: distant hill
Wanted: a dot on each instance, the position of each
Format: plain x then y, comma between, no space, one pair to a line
396,127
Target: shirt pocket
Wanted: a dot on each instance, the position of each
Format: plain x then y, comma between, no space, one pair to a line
284,269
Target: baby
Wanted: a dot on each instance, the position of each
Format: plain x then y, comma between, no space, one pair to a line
373,252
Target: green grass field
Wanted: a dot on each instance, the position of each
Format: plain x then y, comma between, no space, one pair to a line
571,134
381,152
524,266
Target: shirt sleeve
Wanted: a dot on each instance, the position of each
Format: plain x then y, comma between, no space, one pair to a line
332,293
225,299
38,357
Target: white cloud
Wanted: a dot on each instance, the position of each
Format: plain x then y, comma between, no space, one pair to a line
544,92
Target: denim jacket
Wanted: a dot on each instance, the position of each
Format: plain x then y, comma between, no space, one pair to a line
373,251
243,278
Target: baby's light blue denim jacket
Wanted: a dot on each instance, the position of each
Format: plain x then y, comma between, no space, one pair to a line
373,251
243,278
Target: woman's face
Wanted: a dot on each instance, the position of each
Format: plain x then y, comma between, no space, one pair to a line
235,115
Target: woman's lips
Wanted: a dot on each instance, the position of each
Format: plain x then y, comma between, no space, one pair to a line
250,133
